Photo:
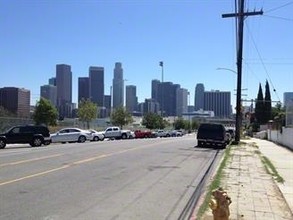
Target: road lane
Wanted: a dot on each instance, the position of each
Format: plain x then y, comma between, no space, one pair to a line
133,179
36,170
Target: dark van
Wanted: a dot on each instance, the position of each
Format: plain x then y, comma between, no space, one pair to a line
211,134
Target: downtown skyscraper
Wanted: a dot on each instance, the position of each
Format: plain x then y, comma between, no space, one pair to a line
64,90
219,102
118,86
131,98
199,97
49,92
16,101
83,88
96,85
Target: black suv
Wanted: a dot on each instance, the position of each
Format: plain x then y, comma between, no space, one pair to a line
211,134
35,135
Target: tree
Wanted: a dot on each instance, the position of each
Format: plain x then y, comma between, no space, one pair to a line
277,110
45,113
153,121
121,117
259,107
179,123
267,104
279,115
194,124
87,111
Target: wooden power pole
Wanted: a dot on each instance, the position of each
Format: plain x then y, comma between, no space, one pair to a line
240,16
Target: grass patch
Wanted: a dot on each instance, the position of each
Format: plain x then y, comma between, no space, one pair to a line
216,183
253,144
257,152
270,168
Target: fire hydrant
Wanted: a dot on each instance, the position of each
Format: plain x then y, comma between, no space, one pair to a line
220,204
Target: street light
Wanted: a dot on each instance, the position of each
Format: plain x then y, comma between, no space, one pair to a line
162,65
238,105
222,68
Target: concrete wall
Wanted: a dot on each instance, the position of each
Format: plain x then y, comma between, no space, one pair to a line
284,138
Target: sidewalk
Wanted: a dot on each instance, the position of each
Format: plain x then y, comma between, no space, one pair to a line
254,192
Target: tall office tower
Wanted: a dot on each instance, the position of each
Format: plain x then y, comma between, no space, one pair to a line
199,97
107,104
149,106
96,85
181,101
64,90
16,100
49,92
155,89
131,98
219,102
167,98
83,88
52,81
118,86
288,98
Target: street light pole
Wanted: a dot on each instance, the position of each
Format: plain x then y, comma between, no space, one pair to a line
162,100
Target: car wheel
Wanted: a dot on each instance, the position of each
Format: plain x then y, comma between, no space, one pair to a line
96,138
81,139
124,136
36,142
200,144
2,144
47,142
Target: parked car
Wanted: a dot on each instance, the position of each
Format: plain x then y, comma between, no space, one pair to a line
117,133
176,133
143,134
154,134
97,135
162,133
71,135
230,131
35,135
211,134
132,135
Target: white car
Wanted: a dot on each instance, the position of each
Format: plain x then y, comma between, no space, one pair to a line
96,135
71,135
132,135
162,133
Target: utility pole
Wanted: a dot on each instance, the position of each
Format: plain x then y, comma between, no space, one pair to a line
240,15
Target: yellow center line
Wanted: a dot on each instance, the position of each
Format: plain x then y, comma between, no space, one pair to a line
29,160
65,166
34,175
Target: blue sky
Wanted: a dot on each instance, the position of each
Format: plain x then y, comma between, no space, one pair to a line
190,37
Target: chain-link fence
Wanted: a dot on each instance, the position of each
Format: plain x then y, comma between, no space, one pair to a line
289,114
98,124
7,122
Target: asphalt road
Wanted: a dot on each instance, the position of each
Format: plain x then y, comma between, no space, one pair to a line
124,179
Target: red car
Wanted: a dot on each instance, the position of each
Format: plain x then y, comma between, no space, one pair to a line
142,134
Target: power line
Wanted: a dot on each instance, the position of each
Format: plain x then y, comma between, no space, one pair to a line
279,7
251,70
262,62
280,18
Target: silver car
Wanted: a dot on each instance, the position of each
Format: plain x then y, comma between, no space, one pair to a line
96,135
71,135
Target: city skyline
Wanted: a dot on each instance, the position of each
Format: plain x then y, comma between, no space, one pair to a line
194,43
